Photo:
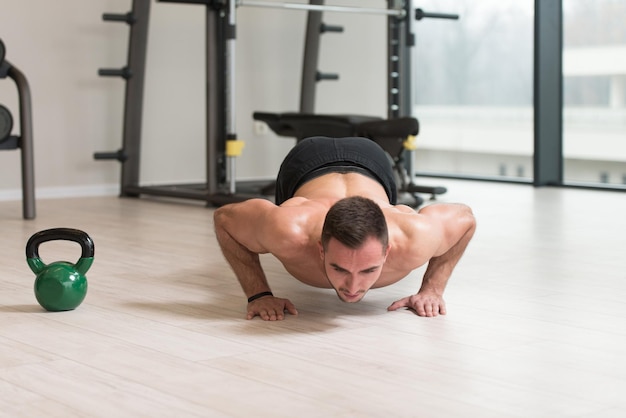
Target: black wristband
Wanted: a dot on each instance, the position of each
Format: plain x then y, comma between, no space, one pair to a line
259,295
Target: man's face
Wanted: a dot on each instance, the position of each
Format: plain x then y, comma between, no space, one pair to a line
352,272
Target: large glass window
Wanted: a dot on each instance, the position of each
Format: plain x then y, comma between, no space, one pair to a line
594,90
473,89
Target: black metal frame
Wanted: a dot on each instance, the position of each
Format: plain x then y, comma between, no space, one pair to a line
25,140
548,94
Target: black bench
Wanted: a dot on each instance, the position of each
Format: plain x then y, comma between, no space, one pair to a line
395,136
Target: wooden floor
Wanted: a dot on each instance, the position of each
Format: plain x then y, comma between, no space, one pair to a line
536,323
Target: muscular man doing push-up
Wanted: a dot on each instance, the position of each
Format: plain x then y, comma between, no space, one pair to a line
336,225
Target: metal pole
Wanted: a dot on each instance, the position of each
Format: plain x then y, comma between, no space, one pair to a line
26,143
322,8
230,89
310,60
133,101
215,97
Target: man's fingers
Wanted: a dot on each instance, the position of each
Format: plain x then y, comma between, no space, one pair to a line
273,314
442,308
422,306
419,310
291,308
398,304
429,309
268,315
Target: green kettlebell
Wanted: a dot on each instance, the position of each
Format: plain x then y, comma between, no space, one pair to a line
60,286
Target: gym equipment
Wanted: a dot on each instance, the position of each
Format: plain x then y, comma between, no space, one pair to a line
395,136
134,75
61,285
24,141
223,147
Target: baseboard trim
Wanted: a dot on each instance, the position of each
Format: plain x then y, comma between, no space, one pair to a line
94,190
63,192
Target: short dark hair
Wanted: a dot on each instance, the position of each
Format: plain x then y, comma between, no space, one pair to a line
352,220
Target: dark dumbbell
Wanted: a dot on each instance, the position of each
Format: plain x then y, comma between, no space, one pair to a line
2,51
6,123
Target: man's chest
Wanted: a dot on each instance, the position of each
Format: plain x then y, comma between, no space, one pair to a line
308,272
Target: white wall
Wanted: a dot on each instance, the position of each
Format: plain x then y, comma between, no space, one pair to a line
60,46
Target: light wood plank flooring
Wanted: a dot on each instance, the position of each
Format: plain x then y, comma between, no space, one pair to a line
536,323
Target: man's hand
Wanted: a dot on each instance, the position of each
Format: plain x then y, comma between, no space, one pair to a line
270,308
424,304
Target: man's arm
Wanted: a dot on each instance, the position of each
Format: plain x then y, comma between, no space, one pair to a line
243,232
453,227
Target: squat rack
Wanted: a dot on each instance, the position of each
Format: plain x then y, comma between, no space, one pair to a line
222,145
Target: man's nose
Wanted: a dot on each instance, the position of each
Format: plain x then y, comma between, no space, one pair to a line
352,286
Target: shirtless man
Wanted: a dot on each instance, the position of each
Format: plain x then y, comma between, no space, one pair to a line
336,225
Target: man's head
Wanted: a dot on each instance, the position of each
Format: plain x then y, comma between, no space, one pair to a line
354,246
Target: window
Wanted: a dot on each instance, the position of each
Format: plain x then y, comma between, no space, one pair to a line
473,89
594,92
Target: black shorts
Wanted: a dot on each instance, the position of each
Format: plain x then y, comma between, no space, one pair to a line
315,156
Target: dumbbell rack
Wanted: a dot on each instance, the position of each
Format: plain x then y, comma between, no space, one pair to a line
24,141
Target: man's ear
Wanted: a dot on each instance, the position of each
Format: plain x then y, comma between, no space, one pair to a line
320,247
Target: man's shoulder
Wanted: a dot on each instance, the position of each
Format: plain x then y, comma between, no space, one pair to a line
403,218
294,226
301,214
410,235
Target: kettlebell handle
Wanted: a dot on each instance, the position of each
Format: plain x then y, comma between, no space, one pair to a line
67,234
